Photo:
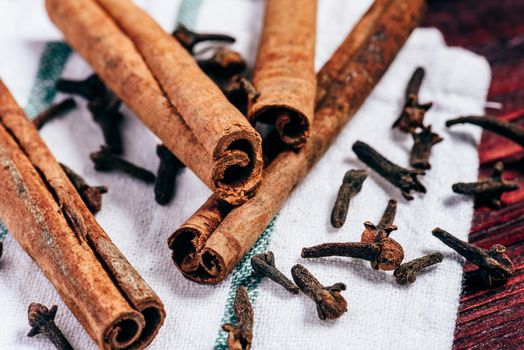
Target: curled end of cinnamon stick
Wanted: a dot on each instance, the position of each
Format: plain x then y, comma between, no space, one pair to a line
237,170
292,125
190,254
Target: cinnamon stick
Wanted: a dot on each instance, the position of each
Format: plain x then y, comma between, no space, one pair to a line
284,73
208,246
48,218
139,61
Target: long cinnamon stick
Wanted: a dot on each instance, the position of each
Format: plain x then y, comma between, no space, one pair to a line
195,121
48,218
212,247
284,74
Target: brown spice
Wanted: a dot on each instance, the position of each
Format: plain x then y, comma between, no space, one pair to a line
489,191
412,116
351,186
42,321
404,179
512,131
407,272
217,143
240,334
216,237
375,246
189,39
494,264
424,141
284,73
53,112
104,160
264,265
45,214
330,303
91,195
166,175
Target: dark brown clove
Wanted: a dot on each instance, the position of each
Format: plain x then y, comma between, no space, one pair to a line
91,195
90,88
104,160
240,334
189,39
375,244
330,303
407,273
264,265
1,248
240,92
224,64
351,186
412,115
489,191
42,321
494,264
53,112
424,141
404,179
106,113
512,131
166,175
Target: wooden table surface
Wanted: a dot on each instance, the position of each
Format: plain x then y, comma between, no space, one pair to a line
493,318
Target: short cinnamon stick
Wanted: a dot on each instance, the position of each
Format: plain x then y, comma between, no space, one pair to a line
284,74
48,218
139,61
208,246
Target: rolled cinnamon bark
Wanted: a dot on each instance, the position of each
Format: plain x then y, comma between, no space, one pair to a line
195,121
48,218
284,73
355,72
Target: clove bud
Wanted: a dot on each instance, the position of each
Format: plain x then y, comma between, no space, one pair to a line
494,264
512,131
424,141
104,160
90,88
404,179
166,175
240,334
53,112
351,186
42,320
375,244
330,303
91,195
264,265
412,116
489,191
407,272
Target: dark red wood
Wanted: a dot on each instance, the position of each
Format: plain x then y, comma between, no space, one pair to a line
493,318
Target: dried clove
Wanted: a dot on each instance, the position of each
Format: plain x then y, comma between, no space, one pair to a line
90,88
42,320
407,273
512,131
404,179
424,141
166,175
264,265
351,186
104,160
189,39
375,244
489,191
106,113
412,115
91,195
240,334
330,303
1,248
53,112
224,64
494,264
240,92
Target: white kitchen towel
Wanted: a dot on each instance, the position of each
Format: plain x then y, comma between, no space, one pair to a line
381,314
